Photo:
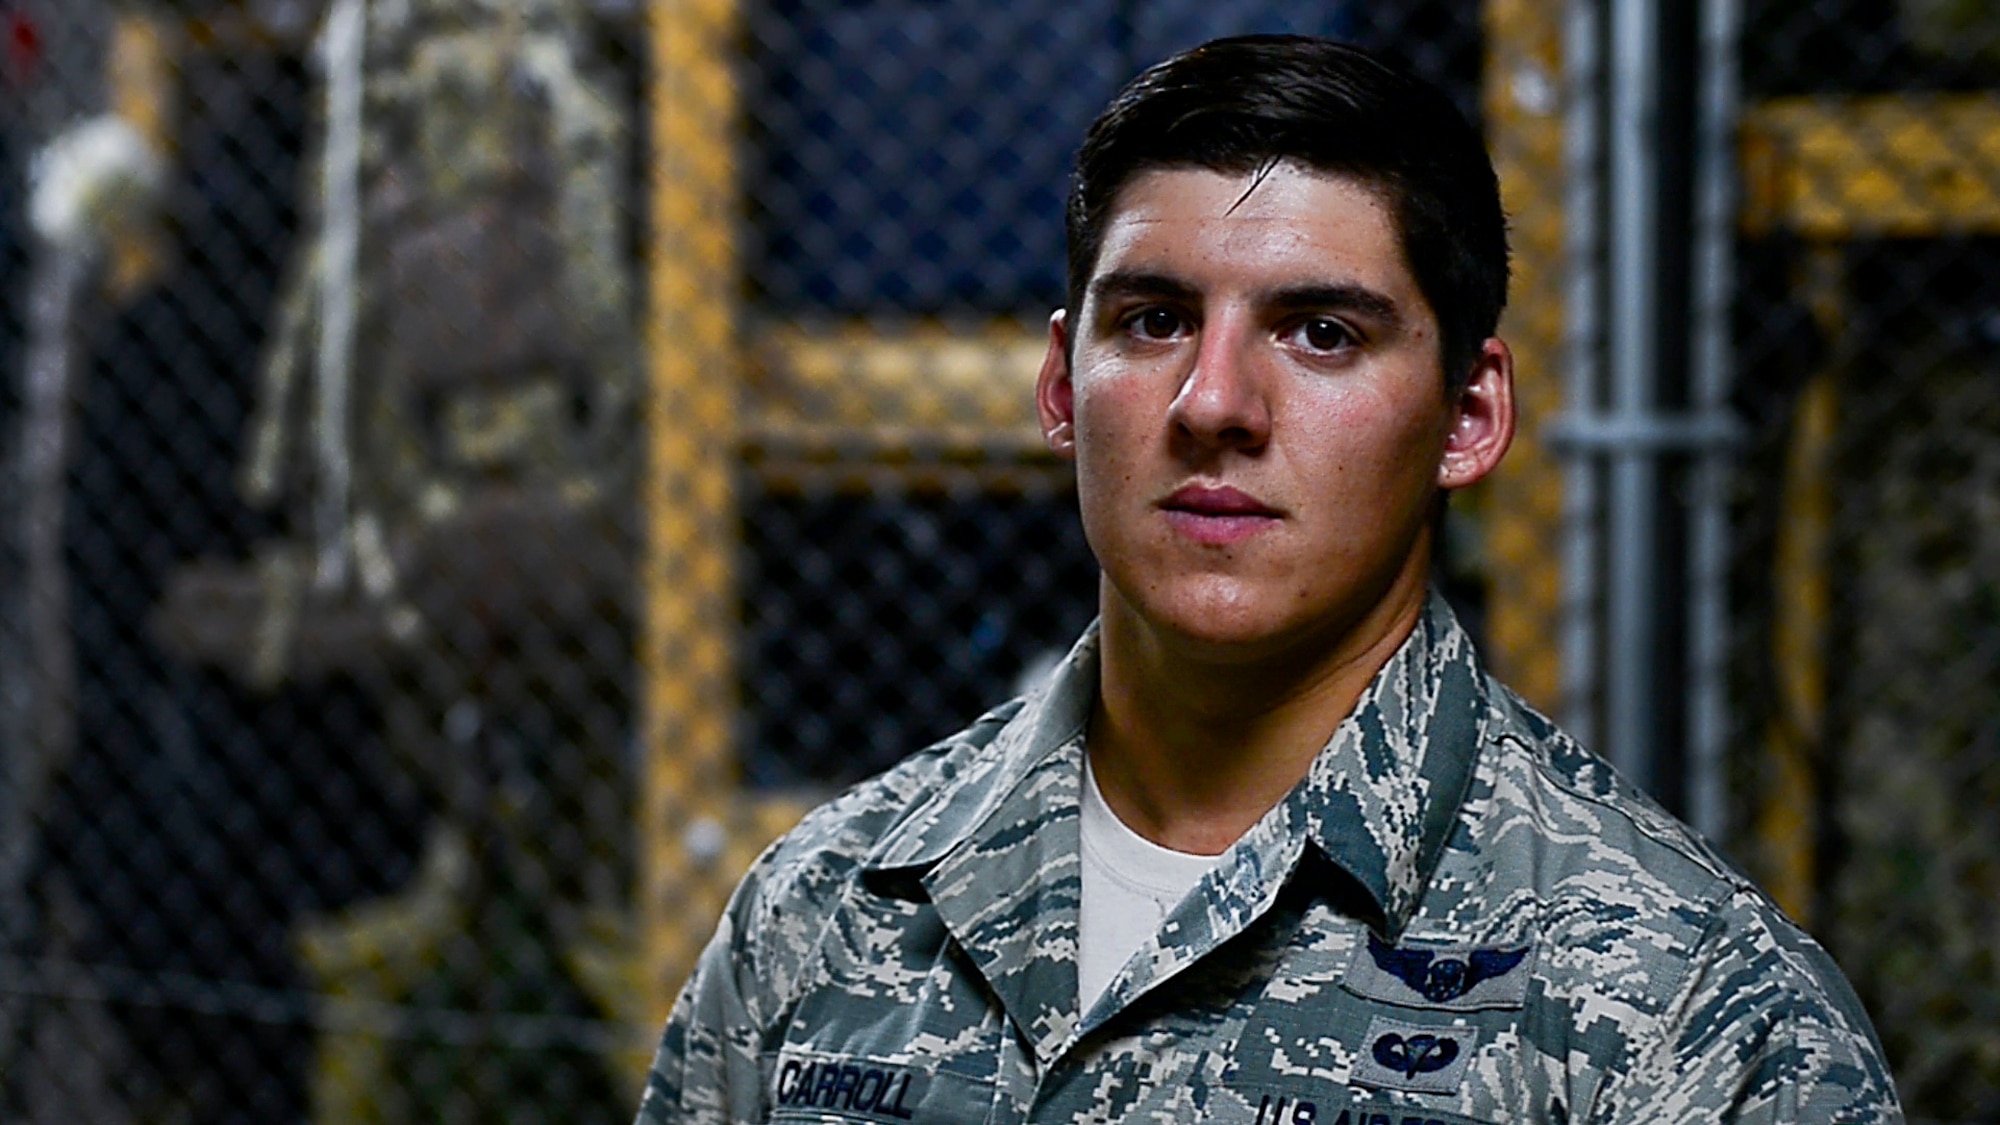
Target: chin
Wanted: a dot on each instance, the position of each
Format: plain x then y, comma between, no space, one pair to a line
1221,620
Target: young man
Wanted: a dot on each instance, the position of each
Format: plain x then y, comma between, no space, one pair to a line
1268,847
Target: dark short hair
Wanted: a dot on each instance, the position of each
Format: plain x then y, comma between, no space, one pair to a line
1242,105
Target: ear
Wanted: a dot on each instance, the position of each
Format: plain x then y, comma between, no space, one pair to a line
1482,418
1055,397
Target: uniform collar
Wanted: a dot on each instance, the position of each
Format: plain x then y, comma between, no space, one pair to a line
1383,794
1051,719
997,850
997,847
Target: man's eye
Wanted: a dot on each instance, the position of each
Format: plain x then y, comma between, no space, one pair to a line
1323,334
1157,324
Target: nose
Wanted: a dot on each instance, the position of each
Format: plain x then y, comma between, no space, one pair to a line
1223,401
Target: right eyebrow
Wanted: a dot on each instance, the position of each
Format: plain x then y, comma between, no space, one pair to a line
1129,284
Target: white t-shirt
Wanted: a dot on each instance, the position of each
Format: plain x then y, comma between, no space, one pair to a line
1130,884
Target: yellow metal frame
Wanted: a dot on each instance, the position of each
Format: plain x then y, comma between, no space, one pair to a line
1831,170
1522,506
692,414
927,407
144,93
1906,165
962,389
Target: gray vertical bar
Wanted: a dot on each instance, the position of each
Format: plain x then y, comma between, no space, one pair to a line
1582,517
1708,609
1630,732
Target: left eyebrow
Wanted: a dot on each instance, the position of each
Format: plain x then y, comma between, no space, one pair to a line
1342,298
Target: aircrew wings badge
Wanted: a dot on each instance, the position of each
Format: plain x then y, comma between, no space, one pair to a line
1453,979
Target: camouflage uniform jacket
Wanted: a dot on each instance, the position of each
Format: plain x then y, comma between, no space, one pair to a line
1458,916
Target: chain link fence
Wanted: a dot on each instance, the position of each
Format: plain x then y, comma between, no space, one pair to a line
1869,369
474,471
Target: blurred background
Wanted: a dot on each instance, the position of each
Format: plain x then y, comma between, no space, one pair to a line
473,471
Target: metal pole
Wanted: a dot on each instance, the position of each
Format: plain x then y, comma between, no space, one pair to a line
346,48
38,692
1630,707
1582,518
1708,610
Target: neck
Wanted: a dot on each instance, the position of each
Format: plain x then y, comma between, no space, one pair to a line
1192,748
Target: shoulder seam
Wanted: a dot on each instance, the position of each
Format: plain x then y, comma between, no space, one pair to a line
1725,879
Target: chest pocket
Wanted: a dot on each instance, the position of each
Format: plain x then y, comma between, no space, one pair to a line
893,1026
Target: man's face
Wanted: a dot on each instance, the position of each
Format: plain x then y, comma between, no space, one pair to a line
1253,398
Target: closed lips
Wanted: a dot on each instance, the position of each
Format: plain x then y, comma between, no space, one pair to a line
1201,501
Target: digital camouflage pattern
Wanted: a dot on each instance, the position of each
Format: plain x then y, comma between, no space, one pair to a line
1458,916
